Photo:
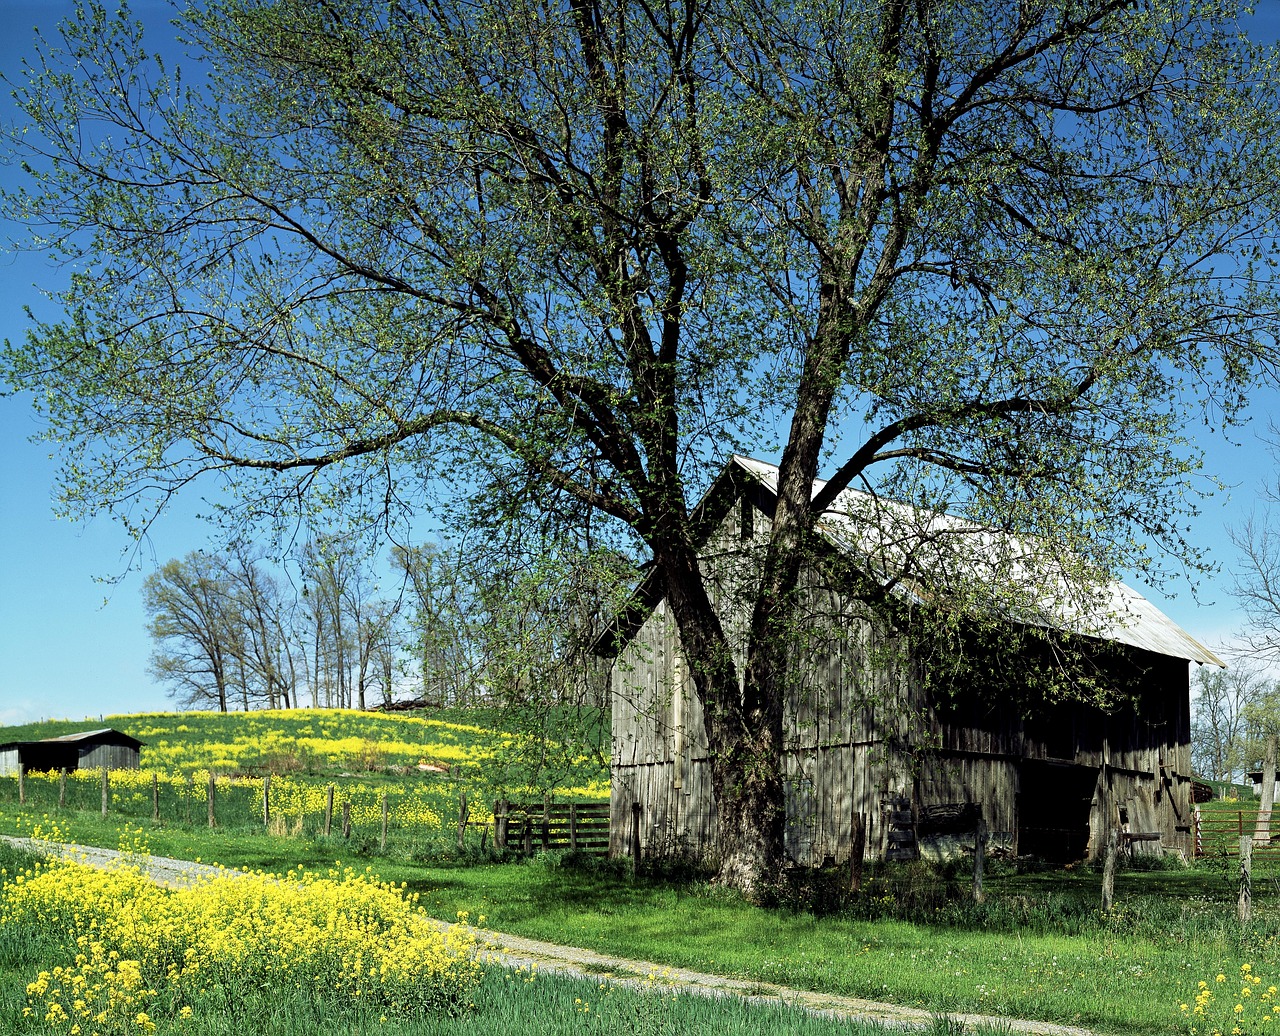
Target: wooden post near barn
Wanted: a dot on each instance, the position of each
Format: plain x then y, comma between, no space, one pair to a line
979,852
1244,908
500,824
328,811
857,850
62,788
213,793
266,801
382,843
635,831
1109,870
462,818
346,820
155,795
22,786
106,791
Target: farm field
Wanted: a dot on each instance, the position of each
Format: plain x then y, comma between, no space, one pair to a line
421,764
1038,948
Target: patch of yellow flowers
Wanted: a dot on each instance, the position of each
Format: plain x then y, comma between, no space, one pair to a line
183,749
1214,1011
140,949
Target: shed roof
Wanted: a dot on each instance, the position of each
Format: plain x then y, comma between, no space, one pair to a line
103,734
83,737
910,548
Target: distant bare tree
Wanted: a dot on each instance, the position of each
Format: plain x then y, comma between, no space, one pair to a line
1257,578
188,605
265,652
442,624
1224,708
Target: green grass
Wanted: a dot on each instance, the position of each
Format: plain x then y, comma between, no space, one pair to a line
1039,948
508,1001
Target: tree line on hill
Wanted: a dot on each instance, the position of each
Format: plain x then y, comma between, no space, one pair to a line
329,626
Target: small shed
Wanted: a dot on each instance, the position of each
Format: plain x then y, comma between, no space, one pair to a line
89,749
1255,778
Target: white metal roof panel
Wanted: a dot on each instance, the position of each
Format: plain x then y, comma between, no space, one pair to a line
910,548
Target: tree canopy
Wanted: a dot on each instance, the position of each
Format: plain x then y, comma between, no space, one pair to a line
988,258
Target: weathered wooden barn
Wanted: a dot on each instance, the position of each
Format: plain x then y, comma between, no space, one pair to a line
89,750
863,735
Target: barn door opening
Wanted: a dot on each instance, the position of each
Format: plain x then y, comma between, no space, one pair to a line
1054,801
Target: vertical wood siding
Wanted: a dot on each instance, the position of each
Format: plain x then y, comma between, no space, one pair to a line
852,714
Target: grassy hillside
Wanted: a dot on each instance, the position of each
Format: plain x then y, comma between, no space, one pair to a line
324,742
324,764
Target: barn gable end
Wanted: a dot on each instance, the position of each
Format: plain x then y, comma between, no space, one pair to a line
862,740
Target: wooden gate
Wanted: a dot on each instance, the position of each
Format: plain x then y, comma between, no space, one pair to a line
579,827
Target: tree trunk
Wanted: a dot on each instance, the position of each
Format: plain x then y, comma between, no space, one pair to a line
744,736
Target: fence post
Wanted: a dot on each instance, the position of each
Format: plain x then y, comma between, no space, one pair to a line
22,785
528,835
462,818
573,827
155,794
62,787
1109,870
346,820
213,785
106,791
546,821
500,824
857,849
383,843
635,831
266,801
979,851
328,811
1245,906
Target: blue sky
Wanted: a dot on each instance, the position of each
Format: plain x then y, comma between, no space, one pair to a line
72,646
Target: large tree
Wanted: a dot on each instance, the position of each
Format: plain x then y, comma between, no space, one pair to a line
988,257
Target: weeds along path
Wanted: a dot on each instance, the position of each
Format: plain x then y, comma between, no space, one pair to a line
513,951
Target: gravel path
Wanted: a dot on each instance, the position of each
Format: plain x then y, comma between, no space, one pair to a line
549,958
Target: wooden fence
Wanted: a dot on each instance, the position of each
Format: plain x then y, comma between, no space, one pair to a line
576,826
1217,831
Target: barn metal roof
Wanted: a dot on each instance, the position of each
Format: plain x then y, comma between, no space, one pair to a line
93,735
911,548
104,734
